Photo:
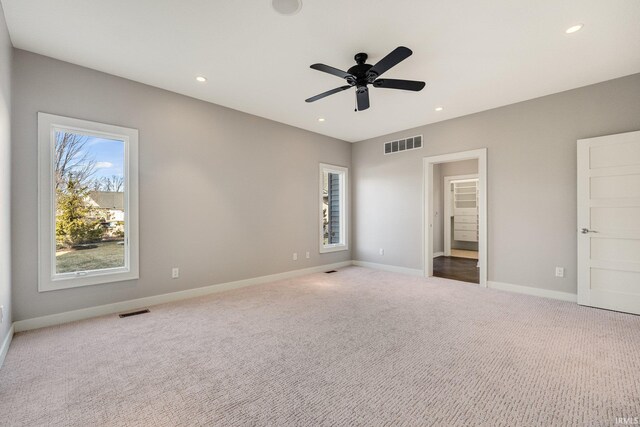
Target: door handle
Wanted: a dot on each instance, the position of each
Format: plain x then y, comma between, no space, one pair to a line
586,231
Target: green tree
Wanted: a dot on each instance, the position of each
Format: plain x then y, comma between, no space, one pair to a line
76,221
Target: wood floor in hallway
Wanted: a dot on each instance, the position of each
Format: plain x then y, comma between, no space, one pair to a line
463,269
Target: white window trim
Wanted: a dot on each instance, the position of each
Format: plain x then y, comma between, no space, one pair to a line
344,197
47,279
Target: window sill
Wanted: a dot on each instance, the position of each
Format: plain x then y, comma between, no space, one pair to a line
88,280
333,248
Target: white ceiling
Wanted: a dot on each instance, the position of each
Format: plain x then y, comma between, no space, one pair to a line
474,55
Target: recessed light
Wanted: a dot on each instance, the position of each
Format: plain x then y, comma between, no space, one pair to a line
287,7
439,108
574,28
321,119
201,79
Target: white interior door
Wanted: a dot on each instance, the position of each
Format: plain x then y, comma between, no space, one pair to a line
609,222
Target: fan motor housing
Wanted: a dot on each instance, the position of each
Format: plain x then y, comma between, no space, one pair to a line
359,71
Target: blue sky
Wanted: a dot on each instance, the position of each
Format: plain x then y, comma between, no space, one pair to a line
108,154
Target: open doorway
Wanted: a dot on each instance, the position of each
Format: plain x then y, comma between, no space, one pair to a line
455,216
455,221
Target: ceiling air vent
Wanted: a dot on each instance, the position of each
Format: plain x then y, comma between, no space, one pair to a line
411,143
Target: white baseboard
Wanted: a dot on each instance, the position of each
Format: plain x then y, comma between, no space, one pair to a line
4,348
437,254
528,290
101,310
387,267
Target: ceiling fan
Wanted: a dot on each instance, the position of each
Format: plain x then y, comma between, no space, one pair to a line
361,75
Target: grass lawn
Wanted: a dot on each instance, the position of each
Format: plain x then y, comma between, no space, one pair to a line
104,255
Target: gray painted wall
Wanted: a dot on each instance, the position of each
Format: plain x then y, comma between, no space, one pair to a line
531,150
223,195
6,57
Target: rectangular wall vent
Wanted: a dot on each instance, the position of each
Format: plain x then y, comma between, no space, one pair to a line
411,143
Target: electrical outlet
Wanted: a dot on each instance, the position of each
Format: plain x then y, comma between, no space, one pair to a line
559,271
175,272
381,251
295,256
308,255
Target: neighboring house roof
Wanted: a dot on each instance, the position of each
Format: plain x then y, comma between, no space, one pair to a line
107,199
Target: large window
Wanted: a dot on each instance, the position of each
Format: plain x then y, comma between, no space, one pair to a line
333,208
88,191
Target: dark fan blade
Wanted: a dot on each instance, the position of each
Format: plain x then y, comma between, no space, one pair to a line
398,55
331,70
362,96
327,93
399,84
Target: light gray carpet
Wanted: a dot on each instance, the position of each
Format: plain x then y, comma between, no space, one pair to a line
357,347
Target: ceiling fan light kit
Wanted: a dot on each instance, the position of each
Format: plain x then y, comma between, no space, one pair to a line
362,74
287,7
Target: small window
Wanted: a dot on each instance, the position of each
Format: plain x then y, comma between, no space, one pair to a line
88,190
333,208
